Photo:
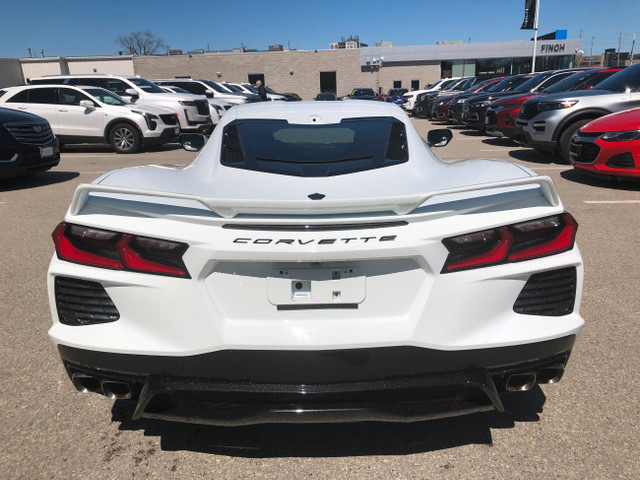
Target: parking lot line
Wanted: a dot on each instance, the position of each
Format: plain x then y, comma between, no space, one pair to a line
613,202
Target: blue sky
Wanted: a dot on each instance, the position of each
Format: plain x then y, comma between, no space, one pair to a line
76,28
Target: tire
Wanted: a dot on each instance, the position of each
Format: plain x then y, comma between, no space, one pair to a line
565,138
124,138
418,110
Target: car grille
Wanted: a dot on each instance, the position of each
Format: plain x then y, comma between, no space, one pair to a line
80,302
550,293
622,160
30,133
529,110
169,119
203,107
583,152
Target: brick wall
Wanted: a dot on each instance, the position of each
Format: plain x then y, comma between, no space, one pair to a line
276,66
428,73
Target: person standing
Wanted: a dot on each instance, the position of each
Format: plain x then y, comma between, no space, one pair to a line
262,91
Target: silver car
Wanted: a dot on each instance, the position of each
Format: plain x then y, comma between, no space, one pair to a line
548,123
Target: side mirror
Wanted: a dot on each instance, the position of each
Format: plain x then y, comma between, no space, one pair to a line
88,104
192,142
439,137
132,92
209,93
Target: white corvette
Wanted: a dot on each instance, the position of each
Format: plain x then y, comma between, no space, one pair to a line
316,262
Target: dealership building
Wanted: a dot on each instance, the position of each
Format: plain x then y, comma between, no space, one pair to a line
308,72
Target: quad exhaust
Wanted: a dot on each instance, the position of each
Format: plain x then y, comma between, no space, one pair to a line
86,383
110,388
521,382
116,390
550,374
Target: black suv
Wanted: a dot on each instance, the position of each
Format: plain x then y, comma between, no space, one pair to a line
27,144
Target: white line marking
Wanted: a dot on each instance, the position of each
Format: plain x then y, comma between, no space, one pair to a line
611,201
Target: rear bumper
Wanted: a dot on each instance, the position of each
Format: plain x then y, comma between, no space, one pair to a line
241,387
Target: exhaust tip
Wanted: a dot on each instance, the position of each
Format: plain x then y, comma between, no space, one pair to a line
86,383
521,382
551,374
116,390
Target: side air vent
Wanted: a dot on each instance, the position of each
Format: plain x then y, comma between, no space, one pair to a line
80,302
622,160
550,293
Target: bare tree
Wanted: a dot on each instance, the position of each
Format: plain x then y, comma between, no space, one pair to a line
141,43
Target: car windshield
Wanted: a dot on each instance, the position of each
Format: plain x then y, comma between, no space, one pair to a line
480,87
233,88
146,85
250,88
507,85
533,82
276,146
446,83
362,92
215,86
177,90
569,82
627,79
105,96
270,90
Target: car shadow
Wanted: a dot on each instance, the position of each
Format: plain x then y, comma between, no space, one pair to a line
615,183
336,440
500,142
38,180
472,133
100,148
533,156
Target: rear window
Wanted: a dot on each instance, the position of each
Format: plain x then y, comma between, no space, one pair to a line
627,79
353,145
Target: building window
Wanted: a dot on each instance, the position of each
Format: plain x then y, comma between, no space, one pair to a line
415,85
397,84
254,77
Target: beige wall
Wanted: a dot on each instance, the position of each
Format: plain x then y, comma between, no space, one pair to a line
426,74
38,67
276,67
10,72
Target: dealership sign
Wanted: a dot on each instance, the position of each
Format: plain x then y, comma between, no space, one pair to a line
551,48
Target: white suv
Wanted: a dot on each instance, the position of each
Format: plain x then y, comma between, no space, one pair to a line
94,115
412,97
193,114
211,89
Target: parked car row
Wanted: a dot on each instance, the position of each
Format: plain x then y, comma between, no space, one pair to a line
558,112
126,112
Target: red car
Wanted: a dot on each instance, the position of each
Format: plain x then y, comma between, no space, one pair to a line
609,145
441,109
499,120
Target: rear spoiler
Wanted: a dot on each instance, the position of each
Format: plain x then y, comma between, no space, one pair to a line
229,208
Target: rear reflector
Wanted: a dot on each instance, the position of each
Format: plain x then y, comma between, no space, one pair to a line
119,251
512,243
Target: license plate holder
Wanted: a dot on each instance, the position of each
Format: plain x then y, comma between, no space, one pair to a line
46,152
316,286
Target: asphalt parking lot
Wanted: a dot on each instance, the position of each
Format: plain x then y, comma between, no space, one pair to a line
587,426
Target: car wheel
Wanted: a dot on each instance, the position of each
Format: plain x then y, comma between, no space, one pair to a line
565,138
124,138
418,110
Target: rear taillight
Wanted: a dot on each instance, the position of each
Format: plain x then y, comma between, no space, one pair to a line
512,243
119,251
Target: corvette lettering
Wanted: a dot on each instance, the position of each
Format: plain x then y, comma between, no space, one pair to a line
322,241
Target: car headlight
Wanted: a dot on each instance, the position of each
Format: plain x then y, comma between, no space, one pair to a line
625,136
544,106
150,118
187,103
482,104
